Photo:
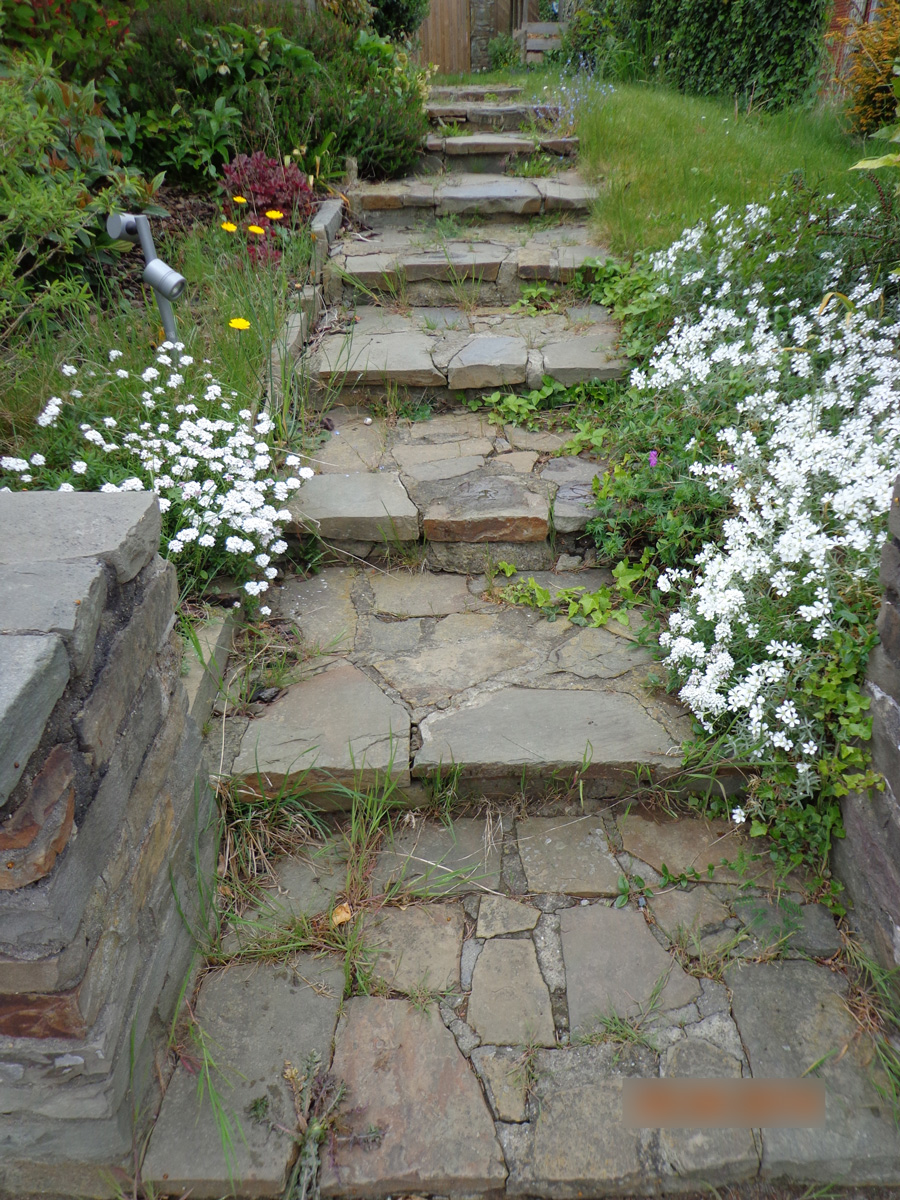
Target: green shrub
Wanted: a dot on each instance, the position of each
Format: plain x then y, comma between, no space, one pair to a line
57,183
319,92
769,53
397,19
86,37
503,52
874,46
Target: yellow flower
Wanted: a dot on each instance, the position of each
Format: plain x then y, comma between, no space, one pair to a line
274,215
228,226
239,199
239,323
255,229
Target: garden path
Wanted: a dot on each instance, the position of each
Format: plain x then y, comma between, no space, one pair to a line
513,973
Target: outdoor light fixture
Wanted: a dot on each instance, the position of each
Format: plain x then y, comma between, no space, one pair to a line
167,284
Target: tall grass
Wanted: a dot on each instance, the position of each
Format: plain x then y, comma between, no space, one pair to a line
664,160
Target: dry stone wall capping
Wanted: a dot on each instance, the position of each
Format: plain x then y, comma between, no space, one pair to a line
104,825
867,860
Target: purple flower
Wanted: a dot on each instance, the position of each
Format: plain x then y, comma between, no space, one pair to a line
653,458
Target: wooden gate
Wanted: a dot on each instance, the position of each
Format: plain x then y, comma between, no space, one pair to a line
445,36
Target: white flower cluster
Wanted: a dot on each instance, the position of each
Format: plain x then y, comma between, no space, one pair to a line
806,472
214,471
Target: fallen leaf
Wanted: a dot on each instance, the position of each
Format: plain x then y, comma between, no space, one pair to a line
341,915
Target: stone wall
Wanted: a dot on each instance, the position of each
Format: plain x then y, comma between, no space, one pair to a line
482,27
104,824
867,860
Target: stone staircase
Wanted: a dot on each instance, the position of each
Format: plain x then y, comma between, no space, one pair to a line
482,1050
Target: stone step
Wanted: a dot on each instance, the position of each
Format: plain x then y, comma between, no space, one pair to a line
474,115
491,152
443,353
497,197
418,673
483,93
430,271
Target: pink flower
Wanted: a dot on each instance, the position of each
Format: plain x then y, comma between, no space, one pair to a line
653,458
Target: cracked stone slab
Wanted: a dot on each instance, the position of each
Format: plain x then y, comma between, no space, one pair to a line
484,506
599,654
790,1015
478,262
464,650
544,730
411,457
337,725
289,1019
405,1075
566,193
502,1070
526,439
572,469
450,427
694,844
710,1156
486,362
44,597
498,915
34,671
358,507
405,595
439,468
375,359
577,1144
696,913
321,608
416,948
613,964
510,1003
441,860
570,855
353,446
801,929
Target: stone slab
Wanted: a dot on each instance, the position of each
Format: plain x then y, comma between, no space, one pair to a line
573,257
577,1145
444,860
468,558
498,915
420,453
48,597
486,362
34,671
599,654
321,608
502,1071
439,468
465,649
358,507
565,194
488,143
572,469
337,724
613,964
584,357
328,219
416,949
692,844
405,1076
573,507
570,855
121,529
37,832
373,360
206,662
790,1015
516,728
536,262
540,440
256,1019
709,1156
510,1003
451,427
453,264
484,506
405,595
692,914
489,196
797,929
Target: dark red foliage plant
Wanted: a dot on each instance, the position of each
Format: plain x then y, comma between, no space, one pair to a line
265,183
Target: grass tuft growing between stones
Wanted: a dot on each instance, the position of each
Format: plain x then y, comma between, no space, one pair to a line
628,1031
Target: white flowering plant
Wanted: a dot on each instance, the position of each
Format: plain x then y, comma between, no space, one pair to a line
173,429
752,451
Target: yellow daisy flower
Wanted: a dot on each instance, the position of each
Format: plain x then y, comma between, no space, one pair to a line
229,226
255,229
274,215
239,323
239,199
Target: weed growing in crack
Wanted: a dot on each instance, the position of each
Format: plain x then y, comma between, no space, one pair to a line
627,1031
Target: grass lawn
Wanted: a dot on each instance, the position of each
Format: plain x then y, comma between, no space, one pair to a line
667,160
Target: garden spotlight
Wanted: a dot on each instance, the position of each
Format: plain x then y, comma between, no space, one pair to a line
167,284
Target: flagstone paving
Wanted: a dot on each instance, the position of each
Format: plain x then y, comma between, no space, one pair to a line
510,966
